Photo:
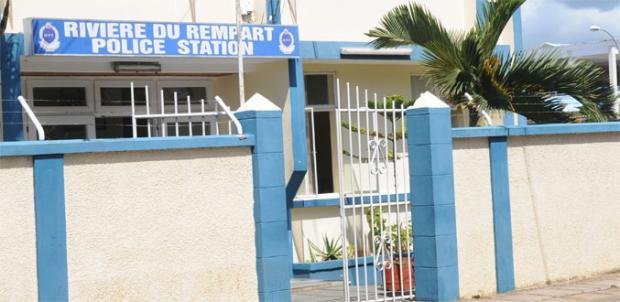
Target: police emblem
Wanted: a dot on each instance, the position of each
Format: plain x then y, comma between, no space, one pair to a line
49,37
287,42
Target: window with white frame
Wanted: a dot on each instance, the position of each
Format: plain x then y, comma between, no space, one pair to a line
101,107
319,122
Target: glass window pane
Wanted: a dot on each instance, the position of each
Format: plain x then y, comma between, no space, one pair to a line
195,94
317,89
59,96
121,96
118,127
54,132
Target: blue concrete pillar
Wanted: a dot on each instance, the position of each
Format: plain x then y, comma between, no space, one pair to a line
502,225
51,227
263,119
432,199
11,49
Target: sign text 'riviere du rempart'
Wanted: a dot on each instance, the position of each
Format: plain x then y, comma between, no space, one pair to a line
120,38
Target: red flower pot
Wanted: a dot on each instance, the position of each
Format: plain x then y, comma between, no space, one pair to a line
393,281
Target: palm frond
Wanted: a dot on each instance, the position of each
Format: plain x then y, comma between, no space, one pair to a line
408,24
5,16
492,20
542,75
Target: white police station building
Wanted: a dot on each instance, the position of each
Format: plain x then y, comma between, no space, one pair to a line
74,61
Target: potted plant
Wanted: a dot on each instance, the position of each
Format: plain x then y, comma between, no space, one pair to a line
395,243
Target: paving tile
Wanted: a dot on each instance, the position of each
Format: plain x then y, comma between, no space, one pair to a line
552,292
598,297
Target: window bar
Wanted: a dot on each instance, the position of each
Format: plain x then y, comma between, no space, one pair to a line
314,165
202,110
176,111
405,185
351,188
134,128
360,180
343,225
189,110
148,110
164,125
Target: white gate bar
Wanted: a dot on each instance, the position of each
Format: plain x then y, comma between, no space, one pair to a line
232,117
33,118
359,161
345,262
372,206
405,184
352,172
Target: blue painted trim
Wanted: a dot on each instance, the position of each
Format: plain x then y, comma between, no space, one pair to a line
470,132
480,4
124,144
273,12
324,265
502,225
550,129
49,199
332,271
335,201
298,127
330,50
530,130
11,49
517,30
433,210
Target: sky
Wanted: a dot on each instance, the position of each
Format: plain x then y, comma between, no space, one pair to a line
568,21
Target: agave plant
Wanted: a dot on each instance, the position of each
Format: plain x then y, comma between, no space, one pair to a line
467,71
332,250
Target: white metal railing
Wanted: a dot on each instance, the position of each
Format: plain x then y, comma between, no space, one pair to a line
373,134
203,117
32,117
372,186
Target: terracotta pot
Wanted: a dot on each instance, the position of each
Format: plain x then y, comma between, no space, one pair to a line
406,267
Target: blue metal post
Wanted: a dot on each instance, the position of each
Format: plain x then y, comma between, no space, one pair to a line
432,196
273,253
11,49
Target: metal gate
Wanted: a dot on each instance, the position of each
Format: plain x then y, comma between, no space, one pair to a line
373,182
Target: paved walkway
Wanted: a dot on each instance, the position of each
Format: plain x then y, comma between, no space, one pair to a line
602,288
605,288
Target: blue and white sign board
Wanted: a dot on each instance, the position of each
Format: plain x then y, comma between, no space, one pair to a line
161,39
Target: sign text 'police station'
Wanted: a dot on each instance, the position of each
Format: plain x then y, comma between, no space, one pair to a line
75,37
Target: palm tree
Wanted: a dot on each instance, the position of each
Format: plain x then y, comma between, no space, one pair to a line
467,72
5,17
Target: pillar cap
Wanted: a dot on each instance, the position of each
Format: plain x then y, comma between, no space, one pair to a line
428,100
258,103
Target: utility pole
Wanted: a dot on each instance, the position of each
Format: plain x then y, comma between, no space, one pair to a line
240,55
